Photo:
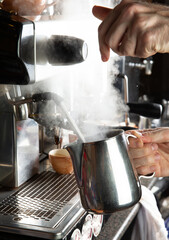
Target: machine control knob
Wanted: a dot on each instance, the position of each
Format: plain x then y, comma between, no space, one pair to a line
97,223
76,235
87,230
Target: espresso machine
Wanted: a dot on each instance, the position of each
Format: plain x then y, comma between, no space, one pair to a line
33,203
20,51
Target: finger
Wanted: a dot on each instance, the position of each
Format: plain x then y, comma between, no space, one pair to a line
109,19
147,161
157,136
101,12
136,133
128,45
148,130
111,30
148,170
147,150
102,31
116,35
135,142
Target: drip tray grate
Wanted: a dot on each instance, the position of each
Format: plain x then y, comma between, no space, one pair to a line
41,198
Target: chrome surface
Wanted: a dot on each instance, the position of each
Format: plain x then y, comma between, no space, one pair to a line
21,112
125,96
46,206
19,150
147,65
14,30
105,176
14,94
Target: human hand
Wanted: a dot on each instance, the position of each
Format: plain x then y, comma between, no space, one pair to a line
150,151
137,29
25,7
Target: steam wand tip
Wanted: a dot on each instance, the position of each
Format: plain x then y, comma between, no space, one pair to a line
46,96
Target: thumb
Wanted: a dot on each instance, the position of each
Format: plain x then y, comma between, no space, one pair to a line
101,12
160,135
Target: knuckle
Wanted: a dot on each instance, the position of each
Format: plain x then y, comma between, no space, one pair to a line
132,9
139,22
145,42
148,149
146,38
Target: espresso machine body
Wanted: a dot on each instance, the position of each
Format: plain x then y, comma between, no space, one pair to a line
19,147
19,52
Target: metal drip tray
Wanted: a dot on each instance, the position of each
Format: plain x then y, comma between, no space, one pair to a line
46,206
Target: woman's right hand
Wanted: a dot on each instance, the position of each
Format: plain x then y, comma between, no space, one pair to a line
150,151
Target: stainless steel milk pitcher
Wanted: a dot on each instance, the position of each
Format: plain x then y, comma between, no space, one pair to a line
104,173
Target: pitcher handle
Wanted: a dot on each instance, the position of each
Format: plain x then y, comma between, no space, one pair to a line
148,176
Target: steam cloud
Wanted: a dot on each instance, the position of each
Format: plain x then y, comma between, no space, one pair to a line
87,88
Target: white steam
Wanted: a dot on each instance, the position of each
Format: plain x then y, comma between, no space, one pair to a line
86,88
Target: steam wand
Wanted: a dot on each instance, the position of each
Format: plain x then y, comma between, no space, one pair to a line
126,95
46,96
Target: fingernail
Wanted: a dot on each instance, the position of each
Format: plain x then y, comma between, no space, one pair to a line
104,58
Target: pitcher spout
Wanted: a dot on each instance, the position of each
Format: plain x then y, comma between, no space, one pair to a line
76,150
